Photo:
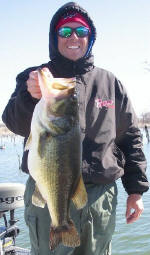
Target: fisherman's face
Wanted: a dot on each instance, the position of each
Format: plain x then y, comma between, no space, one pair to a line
73,47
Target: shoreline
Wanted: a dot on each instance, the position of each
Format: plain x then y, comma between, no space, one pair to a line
4,131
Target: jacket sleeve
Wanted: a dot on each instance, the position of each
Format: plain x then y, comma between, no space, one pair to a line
18,112
129,141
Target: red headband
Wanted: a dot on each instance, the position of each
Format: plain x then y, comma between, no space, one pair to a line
73,17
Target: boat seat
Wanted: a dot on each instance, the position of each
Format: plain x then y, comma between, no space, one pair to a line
11,196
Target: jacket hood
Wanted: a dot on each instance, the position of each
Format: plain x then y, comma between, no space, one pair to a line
69,7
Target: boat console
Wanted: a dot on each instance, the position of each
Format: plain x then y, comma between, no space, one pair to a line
11,198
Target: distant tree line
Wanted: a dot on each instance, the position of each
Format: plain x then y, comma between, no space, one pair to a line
147,65
144,119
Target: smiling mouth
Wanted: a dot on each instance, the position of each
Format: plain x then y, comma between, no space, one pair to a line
73,47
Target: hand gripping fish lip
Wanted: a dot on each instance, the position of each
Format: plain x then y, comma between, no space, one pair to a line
55,87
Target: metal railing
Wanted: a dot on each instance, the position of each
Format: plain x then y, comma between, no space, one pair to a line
8,234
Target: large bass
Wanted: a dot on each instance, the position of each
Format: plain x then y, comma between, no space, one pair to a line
54,159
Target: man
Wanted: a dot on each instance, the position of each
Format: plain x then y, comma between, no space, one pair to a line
111,140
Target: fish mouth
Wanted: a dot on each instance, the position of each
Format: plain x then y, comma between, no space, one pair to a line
64,88
61,84
56,87
58,83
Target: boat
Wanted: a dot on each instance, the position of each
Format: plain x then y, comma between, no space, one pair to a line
11,198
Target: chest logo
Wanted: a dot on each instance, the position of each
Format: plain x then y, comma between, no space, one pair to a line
104,103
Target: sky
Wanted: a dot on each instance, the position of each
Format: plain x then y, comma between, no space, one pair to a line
122,45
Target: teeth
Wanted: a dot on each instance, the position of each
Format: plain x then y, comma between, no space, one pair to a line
73,47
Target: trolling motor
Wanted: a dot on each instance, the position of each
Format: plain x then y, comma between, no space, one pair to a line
11,198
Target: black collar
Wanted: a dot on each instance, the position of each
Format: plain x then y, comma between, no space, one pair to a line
63,67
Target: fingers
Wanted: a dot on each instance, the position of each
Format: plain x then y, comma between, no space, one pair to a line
47,72
132,217
33,85
134,208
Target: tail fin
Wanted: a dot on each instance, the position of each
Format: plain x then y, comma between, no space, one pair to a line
55,238
66,234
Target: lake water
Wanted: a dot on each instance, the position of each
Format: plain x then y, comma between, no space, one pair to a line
128,239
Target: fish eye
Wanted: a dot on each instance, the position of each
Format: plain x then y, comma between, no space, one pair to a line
74,96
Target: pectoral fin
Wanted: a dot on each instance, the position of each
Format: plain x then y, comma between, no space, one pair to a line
37,198
28,143
79,197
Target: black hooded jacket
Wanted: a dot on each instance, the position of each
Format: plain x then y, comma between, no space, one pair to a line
112,146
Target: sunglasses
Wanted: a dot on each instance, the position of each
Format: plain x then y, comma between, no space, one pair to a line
68,31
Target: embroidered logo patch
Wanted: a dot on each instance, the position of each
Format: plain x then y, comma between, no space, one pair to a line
104,103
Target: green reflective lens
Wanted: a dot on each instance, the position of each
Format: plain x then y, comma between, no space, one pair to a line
67,31
82,31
